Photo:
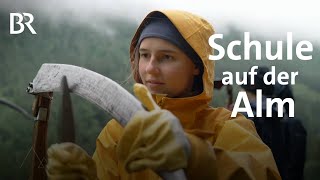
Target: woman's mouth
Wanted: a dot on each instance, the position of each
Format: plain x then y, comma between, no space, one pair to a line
154,83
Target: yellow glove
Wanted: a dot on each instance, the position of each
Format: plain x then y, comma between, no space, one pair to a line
153,139
70,162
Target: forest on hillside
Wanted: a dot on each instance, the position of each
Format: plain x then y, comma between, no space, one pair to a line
107,53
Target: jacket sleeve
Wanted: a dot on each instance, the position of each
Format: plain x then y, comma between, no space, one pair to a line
236,153
105,156
105,153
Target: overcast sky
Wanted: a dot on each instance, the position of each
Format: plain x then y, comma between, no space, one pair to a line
269,17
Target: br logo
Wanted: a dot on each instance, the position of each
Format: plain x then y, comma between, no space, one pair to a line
21,20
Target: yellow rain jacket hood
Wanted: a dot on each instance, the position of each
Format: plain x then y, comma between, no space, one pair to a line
239,152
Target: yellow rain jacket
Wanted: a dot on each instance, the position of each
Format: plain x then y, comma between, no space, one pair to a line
237,150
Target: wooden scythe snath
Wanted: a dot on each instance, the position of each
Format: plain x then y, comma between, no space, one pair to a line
41,111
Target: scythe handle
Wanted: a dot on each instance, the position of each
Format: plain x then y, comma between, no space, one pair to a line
41,111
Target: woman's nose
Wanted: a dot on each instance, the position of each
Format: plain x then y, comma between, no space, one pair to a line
152,66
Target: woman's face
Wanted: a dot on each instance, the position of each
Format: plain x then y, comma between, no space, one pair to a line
165,69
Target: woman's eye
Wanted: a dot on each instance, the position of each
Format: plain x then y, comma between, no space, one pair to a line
168,57
144,55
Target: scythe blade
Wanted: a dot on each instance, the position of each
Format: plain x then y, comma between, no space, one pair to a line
98,89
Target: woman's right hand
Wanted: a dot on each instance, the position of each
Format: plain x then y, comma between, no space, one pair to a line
70,161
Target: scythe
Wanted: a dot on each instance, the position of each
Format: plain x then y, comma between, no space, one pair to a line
98,89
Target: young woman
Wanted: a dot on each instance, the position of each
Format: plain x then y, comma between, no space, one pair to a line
169,55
